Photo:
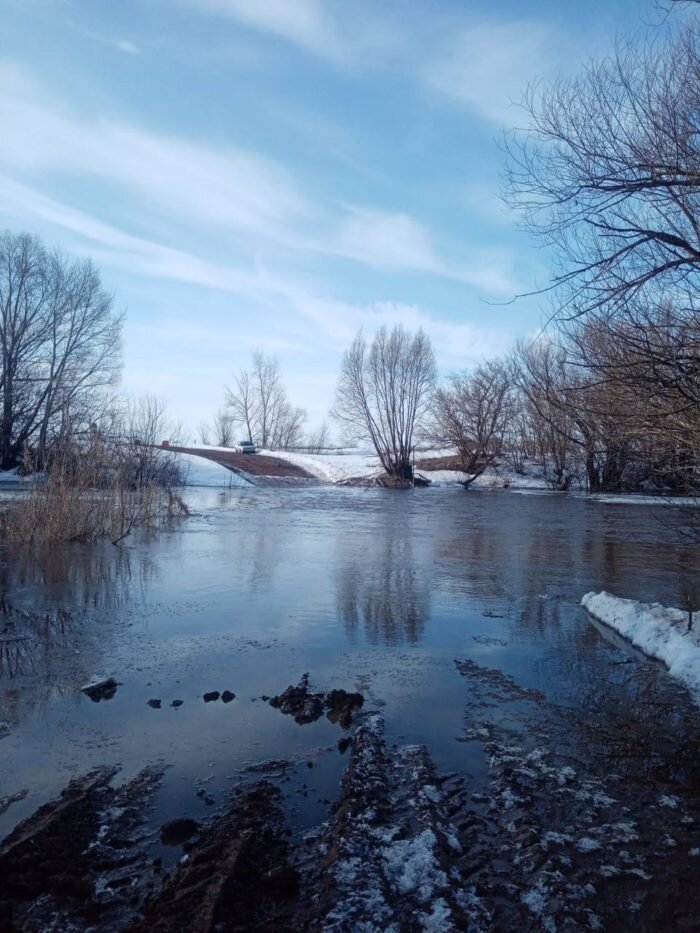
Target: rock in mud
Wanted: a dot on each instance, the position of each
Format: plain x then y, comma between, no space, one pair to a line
212,696
227,696
176,704
6,802
306,706
178,831
101,688
341,705
154,704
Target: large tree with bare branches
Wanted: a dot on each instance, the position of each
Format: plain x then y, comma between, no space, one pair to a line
471,413
59,346
608,172
383,394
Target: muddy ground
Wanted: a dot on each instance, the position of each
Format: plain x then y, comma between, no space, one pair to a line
553,842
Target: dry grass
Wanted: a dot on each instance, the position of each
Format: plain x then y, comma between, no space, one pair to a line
83,502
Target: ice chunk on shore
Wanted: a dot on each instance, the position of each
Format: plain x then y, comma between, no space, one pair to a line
659,632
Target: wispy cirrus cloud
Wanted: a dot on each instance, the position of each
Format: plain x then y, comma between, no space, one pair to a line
481,64
485,67
256,203
305,23
125,45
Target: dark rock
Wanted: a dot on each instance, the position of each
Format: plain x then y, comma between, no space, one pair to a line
176,703
154,704
344,743
338,699
176,832
227,696
211,696
101,689
307,707
284,880
341,705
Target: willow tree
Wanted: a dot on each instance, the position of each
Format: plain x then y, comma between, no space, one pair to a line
383,394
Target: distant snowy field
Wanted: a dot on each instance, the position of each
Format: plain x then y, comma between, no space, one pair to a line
657,631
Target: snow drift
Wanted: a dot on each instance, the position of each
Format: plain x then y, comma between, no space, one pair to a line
657,631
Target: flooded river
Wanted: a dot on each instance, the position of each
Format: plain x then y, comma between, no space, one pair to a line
455,614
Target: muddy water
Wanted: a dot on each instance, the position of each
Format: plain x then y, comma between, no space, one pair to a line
367,590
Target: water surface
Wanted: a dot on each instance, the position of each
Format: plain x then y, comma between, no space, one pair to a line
365,589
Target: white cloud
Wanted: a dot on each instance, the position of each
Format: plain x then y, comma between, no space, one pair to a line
191,186
386,240
486,67
125,45
302,22
172,176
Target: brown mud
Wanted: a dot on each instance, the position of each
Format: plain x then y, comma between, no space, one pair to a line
256,466
556,837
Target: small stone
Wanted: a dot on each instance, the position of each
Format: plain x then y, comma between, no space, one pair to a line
283,879
344,743
176,832
211,696
227,696
176,703
154,704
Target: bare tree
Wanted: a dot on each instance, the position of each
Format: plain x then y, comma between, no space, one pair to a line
59,344
258,401
142,425
317,441
608,172
223,429
471,413
383,394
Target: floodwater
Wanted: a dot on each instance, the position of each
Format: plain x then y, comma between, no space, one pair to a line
364,589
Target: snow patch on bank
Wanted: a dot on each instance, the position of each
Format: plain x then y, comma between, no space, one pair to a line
331,468
658,631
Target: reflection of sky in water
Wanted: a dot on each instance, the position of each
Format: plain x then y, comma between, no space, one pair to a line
362,588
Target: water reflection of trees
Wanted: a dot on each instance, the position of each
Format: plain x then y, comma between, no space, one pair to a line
60,613
536,558
76,577
382,588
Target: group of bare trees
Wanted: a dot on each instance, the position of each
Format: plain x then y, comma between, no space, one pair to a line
258,408
60,349
60,413
563,406
608,174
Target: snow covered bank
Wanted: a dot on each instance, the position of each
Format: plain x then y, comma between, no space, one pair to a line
659,632
363,464
332,467
9,478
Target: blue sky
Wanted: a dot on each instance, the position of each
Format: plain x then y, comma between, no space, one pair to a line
276,174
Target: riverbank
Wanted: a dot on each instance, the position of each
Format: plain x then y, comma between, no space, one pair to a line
671,635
